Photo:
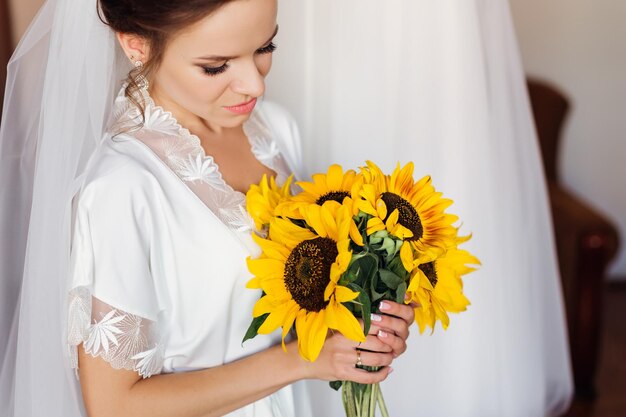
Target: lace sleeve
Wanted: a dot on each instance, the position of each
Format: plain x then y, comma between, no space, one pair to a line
113,307
124,340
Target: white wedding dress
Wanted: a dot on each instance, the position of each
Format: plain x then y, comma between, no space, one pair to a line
440,83
160,241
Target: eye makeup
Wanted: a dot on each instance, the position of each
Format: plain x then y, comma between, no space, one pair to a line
213,71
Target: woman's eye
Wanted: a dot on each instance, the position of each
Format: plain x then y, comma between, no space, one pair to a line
212,71
271,47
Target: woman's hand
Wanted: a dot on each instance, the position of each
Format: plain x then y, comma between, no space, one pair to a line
392,326
385,341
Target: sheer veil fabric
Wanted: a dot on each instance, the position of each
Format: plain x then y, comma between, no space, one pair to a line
62,80
441,83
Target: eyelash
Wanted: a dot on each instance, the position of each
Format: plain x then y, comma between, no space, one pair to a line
213,71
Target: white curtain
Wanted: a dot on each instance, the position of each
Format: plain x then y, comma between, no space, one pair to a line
440,83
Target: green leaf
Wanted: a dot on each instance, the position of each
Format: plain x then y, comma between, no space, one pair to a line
397,267
390,279
399,244
367,267
335,385
400,292
366,309
348,277
253,330
389,246
380,234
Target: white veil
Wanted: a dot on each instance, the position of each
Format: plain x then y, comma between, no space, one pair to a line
60,86
441,83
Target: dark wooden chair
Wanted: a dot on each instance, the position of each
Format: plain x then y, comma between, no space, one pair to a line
586,241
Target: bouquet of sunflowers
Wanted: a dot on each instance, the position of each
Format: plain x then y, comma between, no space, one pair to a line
346,242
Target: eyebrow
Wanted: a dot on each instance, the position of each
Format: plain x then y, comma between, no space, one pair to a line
227,58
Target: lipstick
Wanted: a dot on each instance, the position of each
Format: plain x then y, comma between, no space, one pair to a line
242,108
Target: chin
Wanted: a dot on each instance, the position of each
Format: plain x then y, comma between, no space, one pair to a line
235,120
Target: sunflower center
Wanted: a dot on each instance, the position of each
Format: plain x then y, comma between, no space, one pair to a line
408,216
337,196
307,272
431,273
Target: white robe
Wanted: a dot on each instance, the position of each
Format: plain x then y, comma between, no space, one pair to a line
160,241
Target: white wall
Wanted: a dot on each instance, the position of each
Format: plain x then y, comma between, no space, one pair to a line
580,45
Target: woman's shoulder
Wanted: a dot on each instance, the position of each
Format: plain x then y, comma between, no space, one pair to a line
118,170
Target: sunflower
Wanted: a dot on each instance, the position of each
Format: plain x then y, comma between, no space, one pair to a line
299,272
438,288
411,211
262,199
336,185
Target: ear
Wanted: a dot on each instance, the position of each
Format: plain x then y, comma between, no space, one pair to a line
135,47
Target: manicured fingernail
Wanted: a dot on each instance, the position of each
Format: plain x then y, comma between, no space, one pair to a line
383,306
390,369
376,317
382,334
406,297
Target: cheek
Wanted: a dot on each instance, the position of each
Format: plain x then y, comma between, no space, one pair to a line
264,64
190,87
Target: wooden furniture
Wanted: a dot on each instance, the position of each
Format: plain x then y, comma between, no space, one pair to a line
586,241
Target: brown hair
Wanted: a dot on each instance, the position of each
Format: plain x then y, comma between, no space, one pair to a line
156,21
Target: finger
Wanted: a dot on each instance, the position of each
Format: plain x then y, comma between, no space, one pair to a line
391,324
374,344
375,358
397,344
402,311
362,376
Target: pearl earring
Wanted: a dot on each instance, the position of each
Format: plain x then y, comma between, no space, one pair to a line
141,79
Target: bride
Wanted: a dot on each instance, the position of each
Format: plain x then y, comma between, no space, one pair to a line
128,237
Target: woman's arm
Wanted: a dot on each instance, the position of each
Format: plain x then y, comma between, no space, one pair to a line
216,391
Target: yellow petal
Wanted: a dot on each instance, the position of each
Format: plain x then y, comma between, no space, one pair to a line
275,319
345,294
381,209
338,317
264,267
374,225
264,305
290,317
406,256
330,224
318,333
254,283
355,234
272,249
334,178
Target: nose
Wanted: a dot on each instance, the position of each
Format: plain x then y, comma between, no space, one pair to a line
249,81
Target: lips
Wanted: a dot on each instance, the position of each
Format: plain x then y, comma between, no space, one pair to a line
242,108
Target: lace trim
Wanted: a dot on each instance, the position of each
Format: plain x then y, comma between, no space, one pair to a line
124,340
183,153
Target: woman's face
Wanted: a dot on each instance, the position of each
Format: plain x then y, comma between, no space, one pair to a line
219,62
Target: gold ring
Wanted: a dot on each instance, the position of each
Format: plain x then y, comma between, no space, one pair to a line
358,358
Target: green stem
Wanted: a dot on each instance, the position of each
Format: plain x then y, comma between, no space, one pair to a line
347,391
372,400
381,403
